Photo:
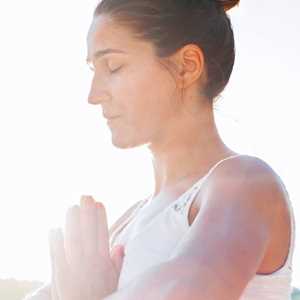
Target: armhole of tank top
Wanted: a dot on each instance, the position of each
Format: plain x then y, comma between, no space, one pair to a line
132,211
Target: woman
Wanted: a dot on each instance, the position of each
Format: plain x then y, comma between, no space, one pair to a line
218,225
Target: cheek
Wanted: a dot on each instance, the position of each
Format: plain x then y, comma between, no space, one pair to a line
148,95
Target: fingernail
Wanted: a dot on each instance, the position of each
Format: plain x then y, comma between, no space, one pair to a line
86,200
99,205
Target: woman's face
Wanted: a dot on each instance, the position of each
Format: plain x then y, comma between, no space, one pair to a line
130,84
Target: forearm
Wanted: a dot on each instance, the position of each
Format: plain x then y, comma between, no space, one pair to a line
167,281
176,280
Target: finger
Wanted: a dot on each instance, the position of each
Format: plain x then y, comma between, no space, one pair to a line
73,243
102,231
59,260
88,227
117,257
54,295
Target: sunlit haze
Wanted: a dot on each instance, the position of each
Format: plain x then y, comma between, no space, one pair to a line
56,147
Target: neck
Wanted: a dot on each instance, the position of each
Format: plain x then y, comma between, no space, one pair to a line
183,152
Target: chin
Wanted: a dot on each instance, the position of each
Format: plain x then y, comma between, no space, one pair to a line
126,144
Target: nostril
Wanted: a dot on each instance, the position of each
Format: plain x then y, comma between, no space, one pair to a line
90,100
97,98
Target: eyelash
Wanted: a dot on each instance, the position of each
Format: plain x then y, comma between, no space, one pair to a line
115,70
110,71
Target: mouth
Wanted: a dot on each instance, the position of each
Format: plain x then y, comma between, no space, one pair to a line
110,117
111,120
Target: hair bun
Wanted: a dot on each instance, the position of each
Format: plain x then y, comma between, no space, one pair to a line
228,4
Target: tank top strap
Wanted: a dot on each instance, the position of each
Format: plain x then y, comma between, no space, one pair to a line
219,162
185,202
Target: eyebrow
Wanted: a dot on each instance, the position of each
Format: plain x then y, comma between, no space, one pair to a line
101,53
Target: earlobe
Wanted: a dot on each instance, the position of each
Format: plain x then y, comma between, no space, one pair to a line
181,79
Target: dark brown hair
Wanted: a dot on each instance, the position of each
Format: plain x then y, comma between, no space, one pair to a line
172,24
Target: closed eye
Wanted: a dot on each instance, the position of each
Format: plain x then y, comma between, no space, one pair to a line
115,70
93,68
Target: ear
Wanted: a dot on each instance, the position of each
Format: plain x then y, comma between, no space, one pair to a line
191,65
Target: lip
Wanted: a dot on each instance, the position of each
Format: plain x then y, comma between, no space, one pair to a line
111,120
110,117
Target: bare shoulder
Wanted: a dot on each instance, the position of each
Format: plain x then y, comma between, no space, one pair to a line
248,185
262,195
255,192
248,176
270,197
242,200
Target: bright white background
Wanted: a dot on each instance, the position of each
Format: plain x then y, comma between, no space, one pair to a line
55,146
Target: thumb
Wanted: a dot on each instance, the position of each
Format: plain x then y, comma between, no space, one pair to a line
117,256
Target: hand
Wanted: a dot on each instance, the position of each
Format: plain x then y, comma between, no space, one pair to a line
82,265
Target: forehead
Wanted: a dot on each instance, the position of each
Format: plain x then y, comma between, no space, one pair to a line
105,33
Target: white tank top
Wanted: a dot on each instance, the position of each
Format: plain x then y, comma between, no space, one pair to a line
150,234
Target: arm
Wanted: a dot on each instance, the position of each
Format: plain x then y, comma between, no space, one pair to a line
157,283
226,243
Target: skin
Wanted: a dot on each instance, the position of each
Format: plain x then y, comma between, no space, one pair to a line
235,231
82,265
173,128
239,221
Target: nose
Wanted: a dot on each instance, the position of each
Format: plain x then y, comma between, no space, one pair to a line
97,95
